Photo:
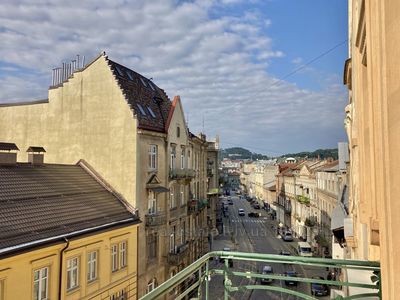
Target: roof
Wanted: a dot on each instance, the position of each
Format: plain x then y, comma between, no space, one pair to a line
150,103
8,146
35,149
40,203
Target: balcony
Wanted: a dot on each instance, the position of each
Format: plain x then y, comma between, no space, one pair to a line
303,200
182,174
157,219
247,280
178,257
192,206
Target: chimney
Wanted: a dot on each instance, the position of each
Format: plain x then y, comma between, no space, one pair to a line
8,154
36,155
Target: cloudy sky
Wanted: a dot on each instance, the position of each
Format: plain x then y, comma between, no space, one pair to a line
231,61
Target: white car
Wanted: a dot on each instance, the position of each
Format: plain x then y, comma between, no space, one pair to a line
241,212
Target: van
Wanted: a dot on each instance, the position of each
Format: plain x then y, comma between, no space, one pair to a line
304,249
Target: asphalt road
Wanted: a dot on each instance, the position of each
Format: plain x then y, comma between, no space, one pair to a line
256,235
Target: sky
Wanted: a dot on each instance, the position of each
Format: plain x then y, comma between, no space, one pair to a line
265,75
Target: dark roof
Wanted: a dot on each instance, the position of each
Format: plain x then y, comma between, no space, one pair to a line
35,149
140,90
8,146
48,201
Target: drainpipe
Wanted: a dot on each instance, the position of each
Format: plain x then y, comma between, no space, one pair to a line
61,268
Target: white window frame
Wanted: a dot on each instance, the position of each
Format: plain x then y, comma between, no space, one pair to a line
172,203
151,285
114,257
152,203
172,243
42,283
123,254
72,273
153,150
182,158
92,265
173,157
182,195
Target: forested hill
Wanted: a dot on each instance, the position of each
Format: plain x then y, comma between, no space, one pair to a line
242,153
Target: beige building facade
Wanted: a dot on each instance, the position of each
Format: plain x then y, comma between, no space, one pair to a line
372,114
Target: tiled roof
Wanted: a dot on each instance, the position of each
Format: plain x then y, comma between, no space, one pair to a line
139,90
44,201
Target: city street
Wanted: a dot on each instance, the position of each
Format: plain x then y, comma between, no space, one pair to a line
258,235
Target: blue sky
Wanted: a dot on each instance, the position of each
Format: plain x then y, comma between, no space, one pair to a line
223,57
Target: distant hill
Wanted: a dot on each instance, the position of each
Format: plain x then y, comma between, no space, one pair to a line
240,153
320,153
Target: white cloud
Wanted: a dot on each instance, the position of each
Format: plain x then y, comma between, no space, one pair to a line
216,64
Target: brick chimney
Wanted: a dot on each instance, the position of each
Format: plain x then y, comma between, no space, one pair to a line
36,155
8,154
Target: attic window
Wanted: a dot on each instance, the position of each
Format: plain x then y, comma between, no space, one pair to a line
151,112
119,71
141,109
151,86
144,83
129,75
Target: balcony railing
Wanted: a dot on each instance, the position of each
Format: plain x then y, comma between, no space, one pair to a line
176,258
156,219
192,206
200,287
182,173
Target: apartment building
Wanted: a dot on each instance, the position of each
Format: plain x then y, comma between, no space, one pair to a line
371,75
128,130
66,234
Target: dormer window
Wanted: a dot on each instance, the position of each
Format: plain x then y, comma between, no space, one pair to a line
141,109
119,71
143,82
178,131
130,75
151,112
151,86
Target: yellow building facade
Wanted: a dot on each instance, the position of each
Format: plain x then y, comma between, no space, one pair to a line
20,273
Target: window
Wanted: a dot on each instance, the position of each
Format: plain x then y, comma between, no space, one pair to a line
152,246
129,75
143,82
151,112
114,257
172,242
182,195
122,254
151,285
72,273
119,256
178,131
141,109
119,71
152,203
92,266
151,86
172,203
40,284
173,156
183,158
153,157
121,295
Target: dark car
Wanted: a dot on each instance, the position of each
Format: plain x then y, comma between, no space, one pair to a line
230,202
256,205
265,271
254,214
285,252
230,261
319,289
289,282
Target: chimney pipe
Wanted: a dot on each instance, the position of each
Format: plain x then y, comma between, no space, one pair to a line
8,154
36,155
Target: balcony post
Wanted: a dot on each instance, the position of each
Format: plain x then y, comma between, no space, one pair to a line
226,279
207,279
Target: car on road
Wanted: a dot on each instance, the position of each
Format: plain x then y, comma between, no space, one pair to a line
289,282
319,289
241,212
285,252
230,202
266,270
230,261
287,236
254,214
256,205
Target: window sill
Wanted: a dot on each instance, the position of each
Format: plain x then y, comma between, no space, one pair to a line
73,290
92,281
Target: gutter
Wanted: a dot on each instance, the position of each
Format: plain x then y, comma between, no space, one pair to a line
60,273
63,236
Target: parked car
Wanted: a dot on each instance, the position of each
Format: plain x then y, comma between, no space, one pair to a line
265,271
256,205
230,261
230,202
241,212
287,236
285,252
319,289
254,214
289,282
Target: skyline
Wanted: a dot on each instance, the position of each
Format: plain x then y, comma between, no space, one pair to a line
224,58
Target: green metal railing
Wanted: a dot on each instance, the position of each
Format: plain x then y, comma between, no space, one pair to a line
203,274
